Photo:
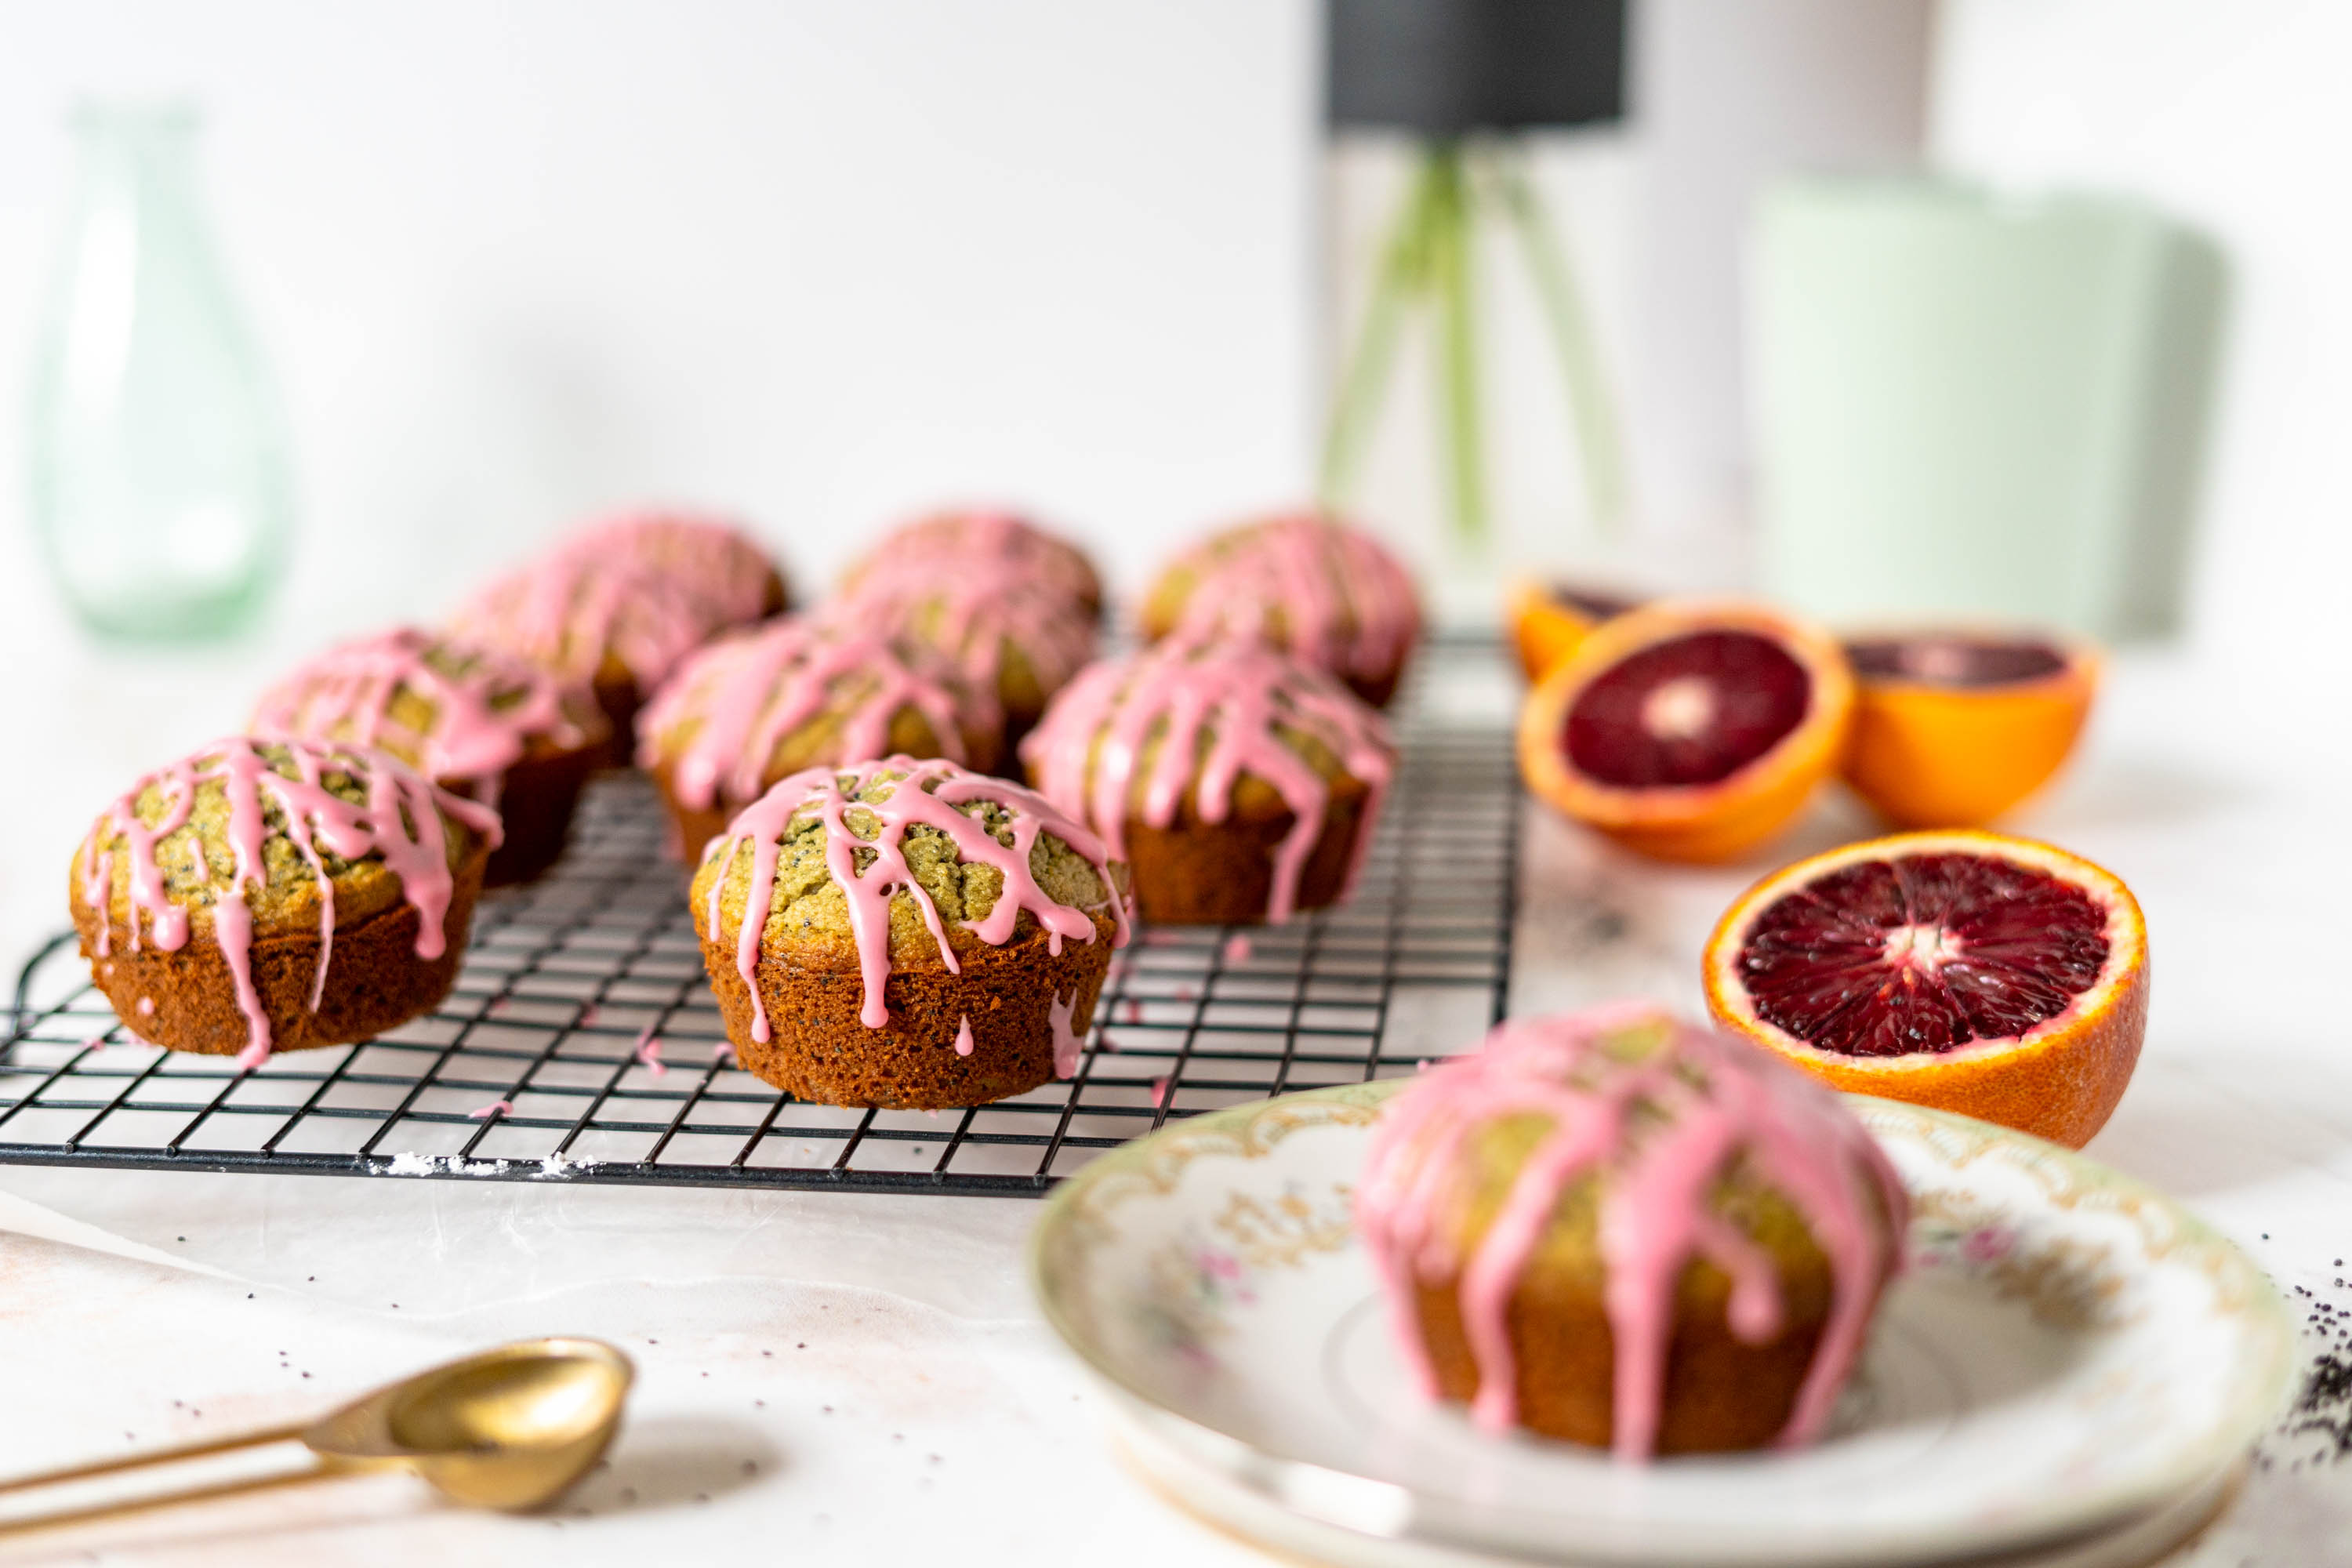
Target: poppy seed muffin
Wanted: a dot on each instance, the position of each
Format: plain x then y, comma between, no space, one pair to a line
476,722
618,606
1621,1230
1330,595
1241,785
755,707
906,934
1051,563
715,560
1009,636
266,895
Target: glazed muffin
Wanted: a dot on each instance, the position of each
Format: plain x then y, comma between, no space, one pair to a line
268,895
717,562
1327,593
1239,784
1625,1231
1009,634
755,707
907,934
617,606
1008,542
478,724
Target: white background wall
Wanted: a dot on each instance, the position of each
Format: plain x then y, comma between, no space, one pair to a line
515,260
2233,117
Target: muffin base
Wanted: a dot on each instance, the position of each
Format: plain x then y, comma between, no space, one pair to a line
693,826
1222,873
1721,1393
375,982
818,1050
1379,690
535,806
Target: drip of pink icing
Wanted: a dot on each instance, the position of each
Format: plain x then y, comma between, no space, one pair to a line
1088,754
480,721
399,823
146,1006
1347,606
750,690
1655,1217
963,1036
1237,949
983,599
494,1108
649,1054
723,1053
1160,1087
924,793
995,538
1069,1046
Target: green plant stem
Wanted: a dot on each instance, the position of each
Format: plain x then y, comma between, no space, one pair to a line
1451,260
1593,411
1363,384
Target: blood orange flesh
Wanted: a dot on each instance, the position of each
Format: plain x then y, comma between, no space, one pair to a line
1960,661
1922,953
1691,710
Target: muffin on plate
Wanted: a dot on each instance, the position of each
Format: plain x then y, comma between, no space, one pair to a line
476,722
1329,594
1625,1231
266,895
1008,634
978,534
907,934
617,607
757,706
1240,785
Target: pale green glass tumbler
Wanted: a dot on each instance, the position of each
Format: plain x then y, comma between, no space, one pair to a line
157,465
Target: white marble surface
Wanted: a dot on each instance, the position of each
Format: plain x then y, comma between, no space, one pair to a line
838,1377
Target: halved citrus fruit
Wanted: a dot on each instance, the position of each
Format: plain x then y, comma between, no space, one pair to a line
1689,729
1953,728
1967,971
1548,619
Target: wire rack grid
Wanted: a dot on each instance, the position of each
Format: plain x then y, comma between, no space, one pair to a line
582,1042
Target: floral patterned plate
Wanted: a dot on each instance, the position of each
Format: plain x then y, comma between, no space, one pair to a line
2071,1356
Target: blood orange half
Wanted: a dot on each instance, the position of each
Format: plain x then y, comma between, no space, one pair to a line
1953,728
1971,972
1690,730
1548,619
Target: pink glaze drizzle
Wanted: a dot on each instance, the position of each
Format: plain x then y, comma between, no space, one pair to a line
716,561
994,539
984,599
495,1108
648,1053
1069,1046
480,720
753,689
1237,949
925,793
1087,754
399,823
963,1035
571,610
1347,606
1656,1214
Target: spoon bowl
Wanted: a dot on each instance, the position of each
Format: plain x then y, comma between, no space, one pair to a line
510,1428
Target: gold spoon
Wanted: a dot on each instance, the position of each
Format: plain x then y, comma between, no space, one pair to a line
510,1428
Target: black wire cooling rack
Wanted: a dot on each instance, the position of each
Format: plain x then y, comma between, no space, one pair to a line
582,1043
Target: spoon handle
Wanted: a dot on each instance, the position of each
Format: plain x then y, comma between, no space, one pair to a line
154,1457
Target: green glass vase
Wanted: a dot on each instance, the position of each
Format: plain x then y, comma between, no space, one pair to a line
157,460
